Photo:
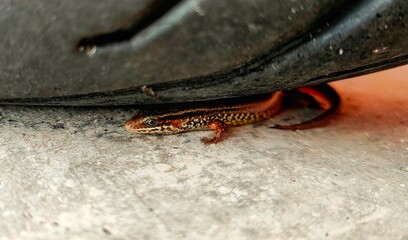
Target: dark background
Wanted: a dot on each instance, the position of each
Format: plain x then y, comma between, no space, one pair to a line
103,52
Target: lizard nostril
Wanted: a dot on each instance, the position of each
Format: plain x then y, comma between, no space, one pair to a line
128,125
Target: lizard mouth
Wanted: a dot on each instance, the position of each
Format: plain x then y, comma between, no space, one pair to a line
133,126
129,126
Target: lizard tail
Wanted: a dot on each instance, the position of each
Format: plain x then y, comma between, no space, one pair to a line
326,98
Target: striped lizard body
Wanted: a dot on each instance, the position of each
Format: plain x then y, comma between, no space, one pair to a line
220,118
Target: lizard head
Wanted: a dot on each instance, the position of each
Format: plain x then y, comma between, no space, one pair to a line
151,125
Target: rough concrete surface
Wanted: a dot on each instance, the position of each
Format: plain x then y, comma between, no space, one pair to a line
73,173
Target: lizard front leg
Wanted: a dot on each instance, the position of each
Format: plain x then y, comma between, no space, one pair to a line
219,131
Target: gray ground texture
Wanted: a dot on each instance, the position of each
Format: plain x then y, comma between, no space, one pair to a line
72,173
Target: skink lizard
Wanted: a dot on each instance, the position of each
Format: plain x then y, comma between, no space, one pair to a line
236,113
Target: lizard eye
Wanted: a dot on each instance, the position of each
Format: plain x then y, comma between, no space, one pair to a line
150,122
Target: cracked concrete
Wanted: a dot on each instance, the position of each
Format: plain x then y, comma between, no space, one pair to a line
74,173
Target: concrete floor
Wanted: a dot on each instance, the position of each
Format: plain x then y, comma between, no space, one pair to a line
68,173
